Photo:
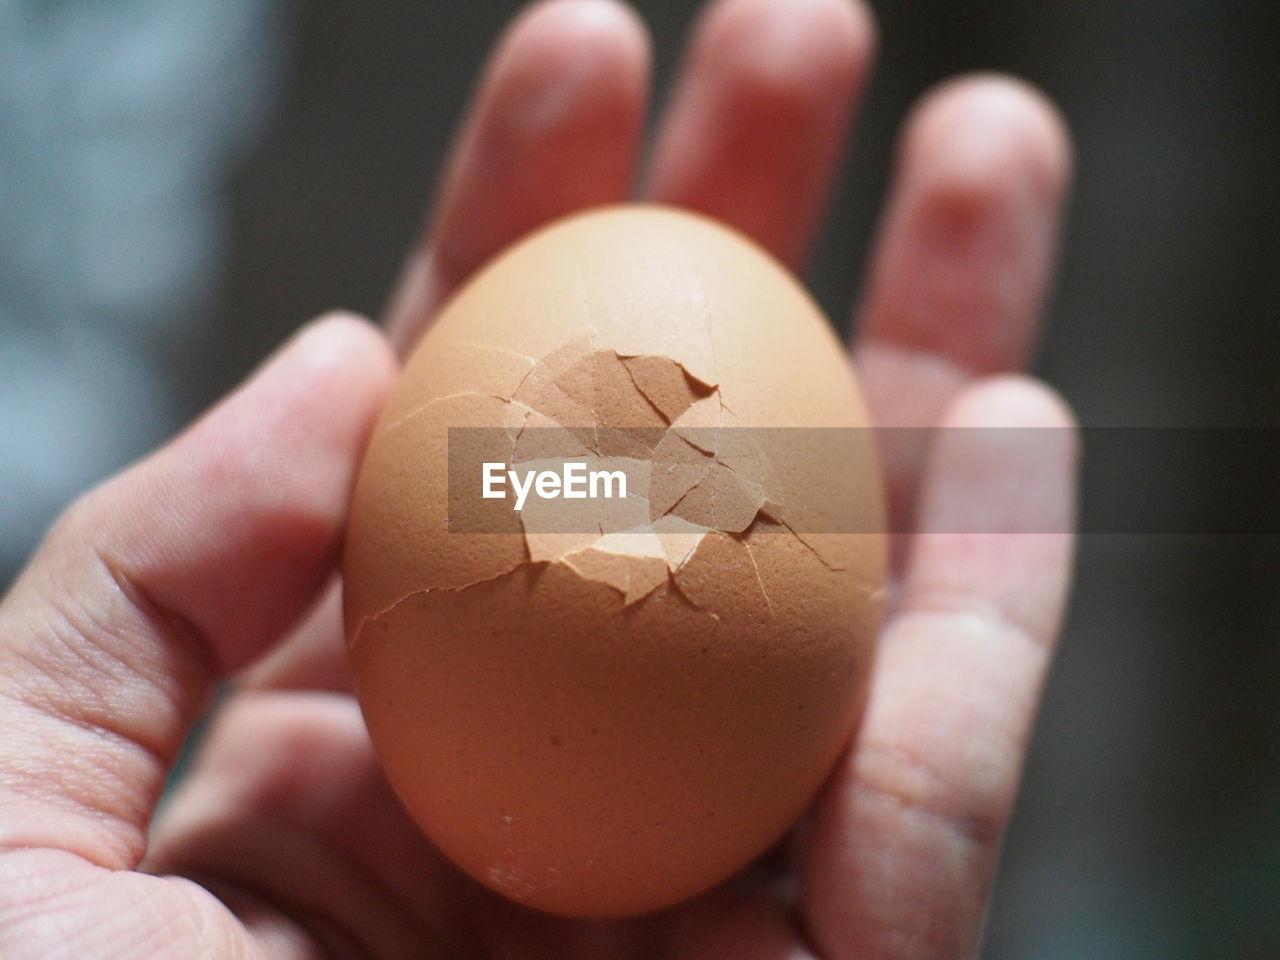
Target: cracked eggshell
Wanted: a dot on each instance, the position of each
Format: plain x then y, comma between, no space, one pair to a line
604,724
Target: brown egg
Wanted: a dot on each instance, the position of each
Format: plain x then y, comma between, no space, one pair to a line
607,717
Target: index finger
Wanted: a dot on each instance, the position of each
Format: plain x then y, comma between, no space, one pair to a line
554,127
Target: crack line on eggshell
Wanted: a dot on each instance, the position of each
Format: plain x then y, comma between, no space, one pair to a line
716,454
693,548
563,560
701,390
671,509
684,594
640,390
690,444
475,344
706,387
585,302
425,591
431,403
567,561
515,441
746,480
595,379
807,545
525,379
706,315
746,542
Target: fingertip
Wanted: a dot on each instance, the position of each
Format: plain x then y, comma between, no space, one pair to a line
554,127
759,116
610,49
314,399
341,341
1010,400
1018,405
1005,460
592,17
612,20
966,250
974,136
787,52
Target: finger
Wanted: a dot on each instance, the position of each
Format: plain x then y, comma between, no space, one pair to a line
286,787
903,843
312,657
182,568
962,261
760,113
739,921
554,127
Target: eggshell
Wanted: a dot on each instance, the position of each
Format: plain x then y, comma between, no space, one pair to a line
602,722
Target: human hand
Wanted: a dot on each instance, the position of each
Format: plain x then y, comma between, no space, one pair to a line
285,841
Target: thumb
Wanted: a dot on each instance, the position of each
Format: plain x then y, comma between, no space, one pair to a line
180,569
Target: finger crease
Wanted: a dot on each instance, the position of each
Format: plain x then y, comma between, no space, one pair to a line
948,602
169,623
889,774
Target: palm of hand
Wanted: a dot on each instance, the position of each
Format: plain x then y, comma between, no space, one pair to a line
286,842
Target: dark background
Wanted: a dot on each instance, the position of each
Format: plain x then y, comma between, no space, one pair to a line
1149,824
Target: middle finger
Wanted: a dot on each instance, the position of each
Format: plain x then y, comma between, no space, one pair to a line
755,127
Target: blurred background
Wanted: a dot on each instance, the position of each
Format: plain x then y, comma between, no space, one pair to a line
181,184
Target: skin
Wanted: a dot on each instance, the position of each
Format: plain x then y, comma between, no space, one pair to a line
213,558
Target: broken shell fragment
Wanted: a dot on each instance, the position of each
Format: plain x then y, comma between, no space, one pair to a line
604,713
